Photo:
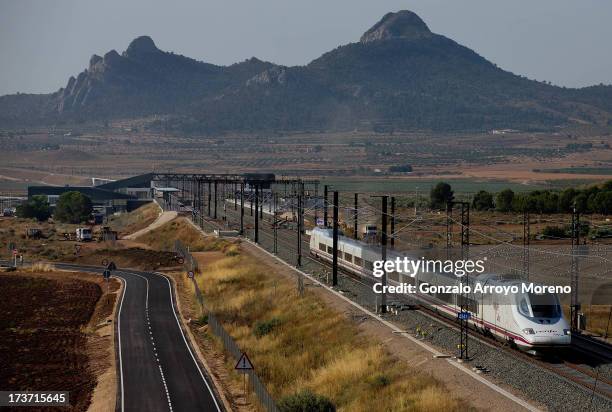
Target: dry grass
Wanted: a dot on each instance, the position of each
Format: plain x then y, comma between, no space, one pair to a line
131,222
598,319
309,346
42,267
163,238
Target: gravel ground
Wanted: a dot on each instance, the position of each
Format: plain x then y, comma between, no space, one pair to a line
535,382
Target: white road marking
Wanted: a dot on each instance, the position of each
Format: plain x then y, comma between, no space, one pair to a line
185,340
119,340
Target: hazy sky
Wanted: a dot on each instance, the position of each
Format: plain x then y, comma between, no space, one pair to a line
43,42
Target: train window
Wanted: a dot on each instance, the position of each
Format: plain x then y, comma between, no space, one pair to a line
446,297
523,307
544,305
330,250
348,257
369,265
322,247
358,261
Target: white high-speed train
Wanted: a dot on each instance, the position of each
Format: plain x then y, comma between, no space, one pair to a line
530,321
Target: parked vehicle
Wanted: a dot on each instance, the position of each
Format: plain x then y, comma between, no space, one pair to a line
83,234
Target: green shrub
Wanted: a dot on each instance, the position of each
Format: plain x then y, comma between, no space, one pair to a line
265,327
73,207
554,232
306,401
37,207
379,381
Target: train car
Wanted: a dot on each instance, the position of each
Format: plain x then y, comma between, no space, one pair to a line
531,322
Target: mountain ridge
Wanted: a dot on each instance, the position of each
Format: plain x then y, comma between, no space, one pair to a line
399,75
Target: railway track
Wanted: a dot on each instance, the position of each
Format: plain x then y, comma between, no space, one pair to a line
577,370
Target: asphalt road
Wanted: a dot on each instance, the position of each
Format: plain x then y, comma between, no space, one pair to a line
158,371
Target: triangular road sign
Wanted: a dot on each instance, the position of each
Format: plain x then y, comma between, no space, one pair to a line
244,363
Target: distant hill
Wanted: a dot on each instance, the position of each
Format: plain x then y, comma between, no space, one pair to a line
399,75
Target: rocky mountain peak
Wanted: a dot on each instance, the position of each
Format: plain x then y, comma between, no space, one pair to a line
141,45
401,25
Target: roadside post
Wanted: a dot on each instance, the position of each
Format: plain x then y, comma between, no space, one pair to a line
15,253
107,274
243,366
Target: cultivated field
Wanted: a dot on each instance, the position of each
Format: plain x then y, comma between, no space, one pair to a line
55,335
519,159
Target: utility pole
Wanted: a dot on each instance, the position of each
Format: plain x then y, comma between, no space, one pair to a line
235,200
302,206
325,206
223,199
209,197
299,232
526,236
465,251
335,239
275,222
261,204
256,213
392,222
356,218
242,208
215,217
300,221
316,205
383,257
383,251
575,305
449,228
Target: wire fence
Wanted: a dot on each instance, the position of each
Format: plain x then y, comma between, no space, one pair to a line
229,343
188,260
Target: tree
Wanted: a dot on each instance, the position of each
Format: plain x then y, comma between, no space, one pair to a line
566,199
440,195
37,207
581,202
306,401
73,207
504,200
602,203
483,200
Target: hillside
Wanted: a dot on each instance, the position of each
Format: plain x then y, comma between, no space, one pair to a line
399,75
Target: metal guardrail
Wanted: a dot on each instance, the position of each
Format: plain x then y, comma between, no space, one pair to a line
232,347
